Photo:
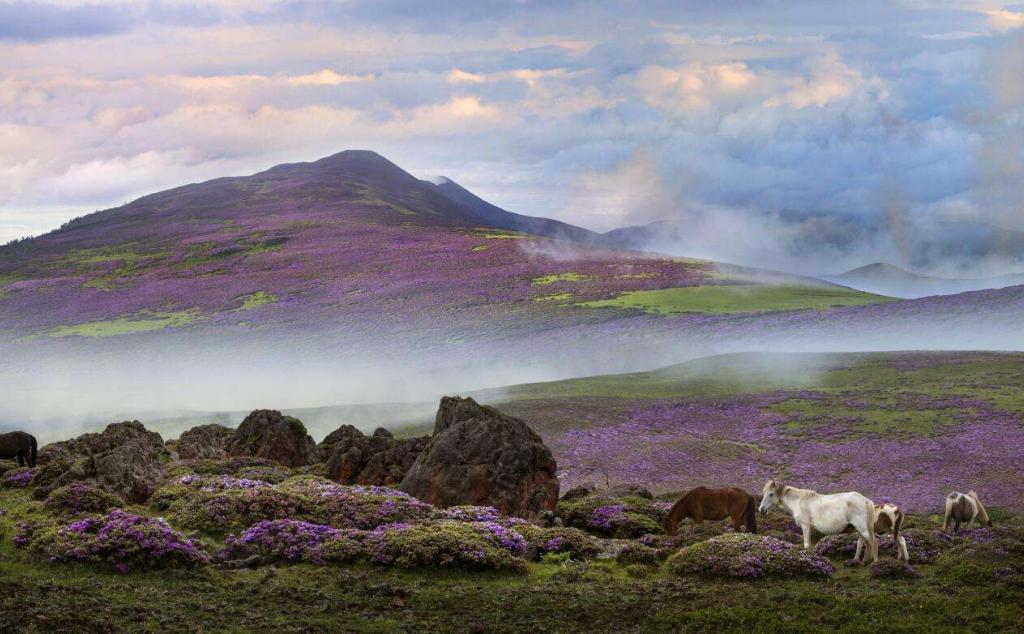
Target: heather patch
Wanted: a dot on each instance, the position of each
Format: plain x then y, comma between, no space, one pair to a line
893,569
478,545
625,517
365,507
119,539
293,541
81,497
17,478
467,514
573,542
638,554
746,556
233,509
228,466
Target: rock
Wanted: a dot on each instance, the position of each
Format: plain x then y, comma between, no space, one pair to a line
125,459
479,456
267,433
629,490
204,441
576,493
382,433
353,458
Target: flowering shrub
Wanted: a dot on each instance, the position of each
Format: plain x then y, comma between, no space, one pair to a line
293,540
575,543
637,554
364,507
446,545
228,466
467,514
234,509
50,471
121,539
274,474
743,555
81,497
627,517
17,478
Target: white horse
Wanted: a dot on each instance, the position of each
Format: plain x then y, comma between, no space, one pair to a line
888,518
819,514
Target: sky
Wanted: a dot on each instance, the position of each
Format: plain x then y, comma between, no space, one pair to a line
808,136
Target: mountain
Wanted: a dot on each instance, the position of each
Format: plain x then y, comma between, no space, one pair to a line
887,279
498,217
348,280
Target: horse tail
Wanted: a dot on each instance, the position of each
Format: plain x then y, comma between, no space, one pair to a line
950,500
35,451
751,515
980,511
872,521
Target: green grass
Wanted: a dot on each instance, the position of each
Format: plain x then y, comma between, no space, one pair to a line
144,321
554,297
739,298
545,280
257,299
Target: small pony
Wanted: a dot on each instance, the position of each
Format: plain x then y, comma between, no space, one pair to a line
702,503
964,509
20,445
820,514
888,517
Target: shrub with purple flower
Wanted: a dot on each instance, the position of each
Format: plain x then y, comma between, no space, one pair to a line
234,509
81,497
467,514
445,545
123,540
17,478
572,541
292,540
627,517
365,507
747,556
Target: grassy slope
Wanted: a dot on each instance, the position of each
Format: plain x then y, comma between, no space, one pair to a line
737,299
37,596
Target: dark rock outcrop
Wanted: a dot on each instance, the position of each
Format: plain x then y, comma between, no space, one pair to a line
124,459
477,455
266,433
204,441
380,459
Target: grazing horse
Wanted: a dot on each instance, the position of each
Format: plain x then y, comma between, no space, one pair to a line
888,518
964,509
703,503
20,445
819,514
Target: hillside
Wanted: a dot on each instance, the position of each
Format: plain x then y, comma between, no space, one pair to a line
886,279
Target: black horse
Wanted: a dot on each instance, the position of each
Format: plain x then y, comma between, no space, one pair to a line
20,445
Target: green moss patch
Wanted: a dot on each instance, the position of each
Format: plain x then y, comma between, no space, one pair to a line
545,280
740,298
144,321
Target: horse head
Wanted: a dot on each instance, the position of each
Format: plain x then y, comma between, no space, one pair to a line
771,496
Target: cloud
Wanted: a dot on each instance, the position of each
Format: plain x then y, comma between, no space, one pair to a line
33,21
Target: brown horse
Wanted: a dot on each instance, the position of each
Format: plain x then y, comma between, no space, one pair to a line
703,503
20,445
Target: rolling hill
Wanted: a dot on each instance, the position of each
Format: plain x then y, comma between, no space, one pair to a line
893,281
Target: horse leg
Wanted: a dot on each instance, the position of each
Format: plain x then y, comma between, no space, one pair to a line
807,537
21,459
737,521
902,552
860,548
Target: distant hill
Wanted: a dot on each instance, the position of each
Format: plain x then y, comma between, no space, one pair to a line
887,279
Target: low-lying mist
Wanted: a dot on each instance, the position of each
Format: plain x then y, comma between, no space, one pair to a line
61,390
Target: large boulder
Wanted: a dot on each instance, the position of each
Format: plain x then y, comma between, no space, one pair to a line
479,456
125,459
380,459
266,433
204,441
